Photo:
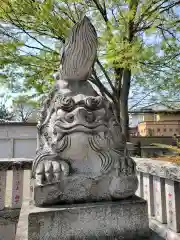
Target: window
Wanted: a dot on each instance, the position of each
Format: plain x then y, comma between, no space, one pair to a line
150,132
164,129
158,129
170,129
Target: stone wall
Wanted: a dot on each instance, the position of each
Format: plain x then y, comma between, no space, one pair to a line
17,140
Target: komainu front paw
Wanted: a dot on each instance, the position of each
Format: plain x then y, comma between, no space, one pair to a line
51,171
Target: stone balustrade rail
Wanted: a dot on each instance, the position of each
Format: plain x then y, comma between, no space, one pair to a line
14,188
159,184
18,167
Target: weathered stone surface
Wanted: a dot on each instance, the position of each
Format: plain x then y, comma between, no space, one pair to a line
7,231
22,226
8,216
81,151
148,192
8,223
172,195
15,163
83,189
80,52
126,219
159,199
158,168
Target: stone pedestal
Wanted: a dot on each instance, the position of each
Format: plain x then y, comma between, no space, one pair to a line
125,219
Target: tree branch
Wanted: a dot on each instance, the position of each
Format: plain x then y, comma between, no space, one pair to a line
72,17
137,103
106,75
148,12
101,10
99,84
24,44
22,28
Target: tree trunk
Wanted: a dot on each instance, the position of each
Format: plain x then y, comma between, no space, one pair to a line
124,116
123,79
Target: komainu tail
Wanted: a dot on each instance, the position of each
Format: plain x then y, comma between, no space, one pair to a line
80,52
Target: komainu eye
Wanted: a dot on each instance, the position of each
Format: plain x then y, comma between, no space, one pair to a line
94,103
65,103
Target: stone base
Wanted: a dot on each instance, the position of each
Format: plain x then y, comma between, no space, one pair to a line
125,219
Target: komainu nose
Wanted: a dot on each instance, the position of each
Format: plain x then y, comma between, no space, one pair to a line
80,115
86,116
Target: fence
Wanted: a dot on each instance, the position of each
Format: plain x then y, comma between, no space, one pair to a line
159,184
17,140
14,189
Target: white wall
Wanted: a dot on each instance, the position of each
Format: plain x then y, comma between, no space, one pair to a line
17,140
134,119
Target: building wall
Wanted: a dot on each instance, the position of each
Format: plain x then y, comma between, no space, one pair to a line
148,117
159,124
142,129
160,128
168,117
135,119
17,140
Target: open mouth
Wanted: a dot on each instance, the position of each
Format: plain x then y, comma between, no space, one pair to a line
81,128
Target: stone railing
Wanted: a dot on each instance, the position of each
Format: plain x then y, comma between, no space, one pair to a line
159,184
14,188
18,177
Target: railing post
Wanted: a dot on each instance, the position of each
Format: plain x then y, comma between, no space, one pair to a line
148,192
173,204
2,189
159,199
17,188
139,191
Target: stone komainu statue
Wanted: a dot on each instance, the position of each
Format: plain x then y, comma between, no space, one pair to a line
81,153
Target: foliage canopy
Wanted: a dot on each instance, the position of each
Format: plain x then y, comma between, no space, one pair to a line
138,46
